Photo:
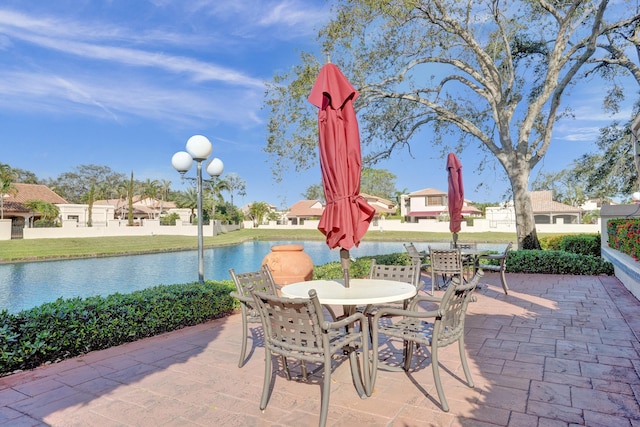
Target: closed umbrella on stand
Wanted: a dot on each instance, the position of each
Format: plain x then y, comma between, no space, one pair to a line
347,215
455,195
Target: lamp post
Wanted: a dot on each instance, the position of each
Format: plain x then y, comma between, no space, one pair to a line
198,148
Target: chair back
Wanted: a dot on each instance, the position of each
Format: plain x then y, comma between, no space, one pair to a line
449,324
261,280
292,326
446,261
400,273
413,253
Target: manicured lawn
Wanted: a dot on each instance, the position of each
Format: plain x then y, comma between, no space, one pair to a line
41,249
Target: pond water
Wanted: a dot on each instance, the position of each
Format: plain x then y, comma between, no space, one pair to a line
27,285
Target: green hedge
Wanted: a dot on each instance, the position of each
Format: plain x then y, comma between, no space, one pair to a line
556,262
358,268
70,327
584,244
524,261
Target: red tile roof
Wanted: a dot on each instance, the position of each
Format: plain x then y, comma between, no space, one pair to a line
26,192
306,209
542,202
427,192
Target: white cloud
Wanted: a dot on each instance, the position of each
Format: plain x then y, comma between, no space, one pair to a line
35,92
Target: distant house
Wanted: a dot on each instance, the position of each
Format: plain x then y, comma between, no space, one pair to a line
305,209
431,203
545,211
15,210
591,205
382,206
143,207
548,211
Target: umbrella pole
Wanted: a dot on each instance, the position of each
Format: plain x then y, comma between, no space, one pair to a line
455,240
345,260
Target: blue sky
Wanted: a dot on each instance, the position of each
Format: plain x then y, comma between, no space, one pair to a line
125,83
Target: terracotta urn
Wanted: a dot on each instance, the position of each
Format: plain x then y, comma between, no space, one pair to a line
289,264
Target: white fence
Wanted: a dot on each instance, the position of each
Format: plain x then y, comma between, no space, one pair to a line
153,227
117,228
434,226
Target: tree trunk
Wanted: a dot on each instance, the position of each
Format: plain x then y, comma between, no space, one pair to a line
527,235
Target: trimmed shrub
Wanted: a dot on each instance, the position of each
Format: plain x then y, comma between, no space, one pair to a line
358,268
583,244
70,327
551,243
169,219
556,262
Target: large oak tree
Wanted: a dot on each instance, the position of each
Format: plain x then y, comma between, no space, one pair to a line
493,73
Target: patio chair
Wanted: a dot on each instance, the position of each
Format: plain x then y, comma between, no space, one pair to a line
469,261
417,257
500,268
446,328
295,328
262,281
400,273
445,263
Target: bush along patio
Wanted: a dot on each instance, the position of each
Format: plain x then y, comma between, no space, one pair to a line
624,236
72,327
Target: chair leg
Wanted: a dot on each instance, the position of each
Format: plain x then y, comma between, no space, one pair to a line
245,333
407,351
361,378
326,390
504,282
463,359
433,283
267,379
436,378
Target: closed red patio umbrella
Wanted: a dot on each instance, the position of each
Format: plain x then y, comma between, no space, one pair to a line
347,215
455,195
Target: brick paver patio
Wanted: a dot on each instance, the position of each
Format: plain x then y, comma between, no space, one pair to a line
557,351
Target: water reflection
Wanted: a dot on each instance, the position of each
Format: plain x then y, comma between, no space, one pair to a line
26,285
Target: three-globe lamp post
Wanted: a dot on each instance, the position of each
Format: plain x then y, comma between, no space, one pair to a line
198,149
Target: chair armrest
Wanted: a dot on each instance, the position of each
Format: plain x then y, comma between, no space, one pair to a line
247,299
346,321
404,313
421,298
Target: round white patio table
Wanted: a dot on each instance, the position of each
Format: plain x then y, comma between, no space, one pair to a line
359,292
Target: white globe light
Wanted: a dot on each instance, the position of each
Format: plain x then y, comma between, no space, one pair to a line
182,161
199,147
636,196
215,167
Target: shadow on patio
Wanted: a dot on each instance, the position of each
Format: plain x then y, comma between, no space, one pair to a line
558,350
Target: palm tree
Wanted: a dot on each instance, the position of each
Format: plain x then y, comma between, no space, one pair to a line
215,189
130,197
235,184
165,188
150,190
91,196
188,199
48,211
258,210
